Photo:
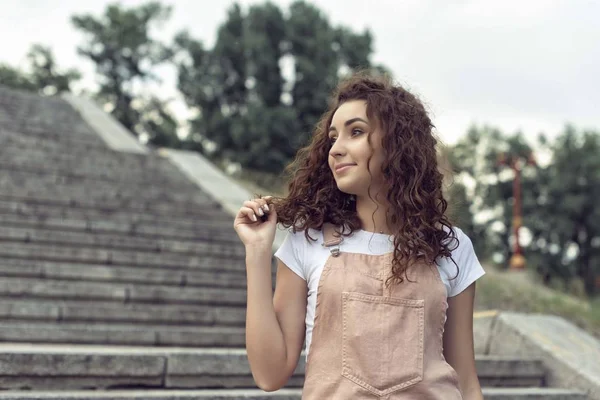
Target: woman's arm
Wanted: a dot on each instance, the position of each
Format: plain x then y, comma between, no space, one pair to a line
458,342
275,326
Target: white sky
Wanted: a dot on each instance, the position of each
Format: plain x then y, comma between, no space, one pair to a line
531,65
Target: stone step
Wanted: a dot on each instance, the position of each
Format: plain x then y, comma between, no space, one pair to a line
497,371
70,254
96,153
116,176
257,394
21,103
63,367
14,267
13,136
76,134
42,118
232,363
22,150
107,366
532,394
23,153
99,191
73,311
79,196
122,334
18,150
125,206
121,242
91,166
51,140
218,230
116,179
172,217
32,288
151,394
190,362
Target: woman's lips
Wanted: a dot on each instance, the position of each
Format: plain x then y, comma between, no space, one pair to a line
342,169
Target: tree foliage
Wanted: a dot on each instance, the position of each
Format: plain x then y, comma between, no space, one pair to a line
13,78
251,110
566,226
125,53
559,200
44,76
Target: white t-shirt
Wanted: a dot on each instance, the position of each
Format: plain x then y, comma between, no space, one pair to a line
307,259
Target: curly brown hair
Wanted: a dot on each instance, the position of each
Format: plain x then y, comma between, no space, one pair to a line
413,181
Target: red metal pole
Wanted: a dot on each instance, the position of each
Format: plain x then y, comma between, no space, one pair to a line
517,261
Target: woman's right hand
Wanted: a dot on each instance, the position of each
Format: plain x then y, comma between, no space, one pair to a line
249,225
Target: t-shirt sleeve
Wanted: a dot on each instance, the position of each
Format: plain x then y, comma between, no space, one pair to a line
469,268
291,252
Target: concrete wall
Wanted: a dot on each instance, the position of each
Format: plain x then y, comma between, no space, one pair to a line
571,355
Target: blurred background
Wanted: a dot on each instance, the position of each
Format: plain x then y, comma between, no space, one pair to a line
511,86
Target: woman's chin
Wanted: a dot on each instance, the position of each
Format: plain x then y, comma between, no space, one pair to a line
346,189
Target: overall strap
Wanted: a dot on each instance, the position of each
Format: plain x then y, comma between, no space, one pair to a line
332,239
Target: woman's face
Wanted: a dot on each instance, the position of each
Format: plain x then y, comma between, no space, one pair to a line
348,133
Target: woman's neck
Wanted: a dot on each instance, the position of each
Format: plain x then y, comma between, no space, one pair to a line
373,216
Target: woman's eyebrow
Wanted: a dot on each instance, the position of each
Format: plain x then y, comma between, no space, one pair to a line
350,121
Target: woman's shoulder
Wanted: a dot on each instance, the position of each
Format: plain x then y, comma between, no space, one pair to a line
462,267
457,240
462,252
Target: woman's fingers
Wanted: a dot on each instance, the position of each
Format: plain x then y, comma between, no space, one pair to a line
249,213
256,208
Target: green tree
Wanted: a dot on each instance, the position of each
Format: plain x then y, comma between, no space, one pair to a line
120,45
157,124
559,201
566,225
44,71
15,79
271,122
321,52
317,61
476,157
214,82
43,76
265,48
249,111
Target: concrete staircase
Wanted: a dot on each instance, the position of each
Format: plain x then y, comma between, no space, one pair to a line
121,279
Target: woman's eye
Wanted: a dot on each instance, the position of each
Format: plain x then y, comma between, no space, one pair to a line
354,132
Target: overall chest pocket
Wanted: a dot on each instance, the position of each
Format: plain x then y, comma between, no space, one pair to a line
382,343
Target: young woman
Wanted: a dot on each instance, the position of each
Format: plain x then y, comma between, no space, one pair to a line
372,274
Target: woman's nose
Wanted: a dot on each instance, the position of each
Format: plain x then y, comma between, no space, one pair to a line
337,149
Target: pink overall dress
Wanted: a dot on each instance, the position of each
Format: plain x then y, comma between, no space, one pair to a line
372,342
